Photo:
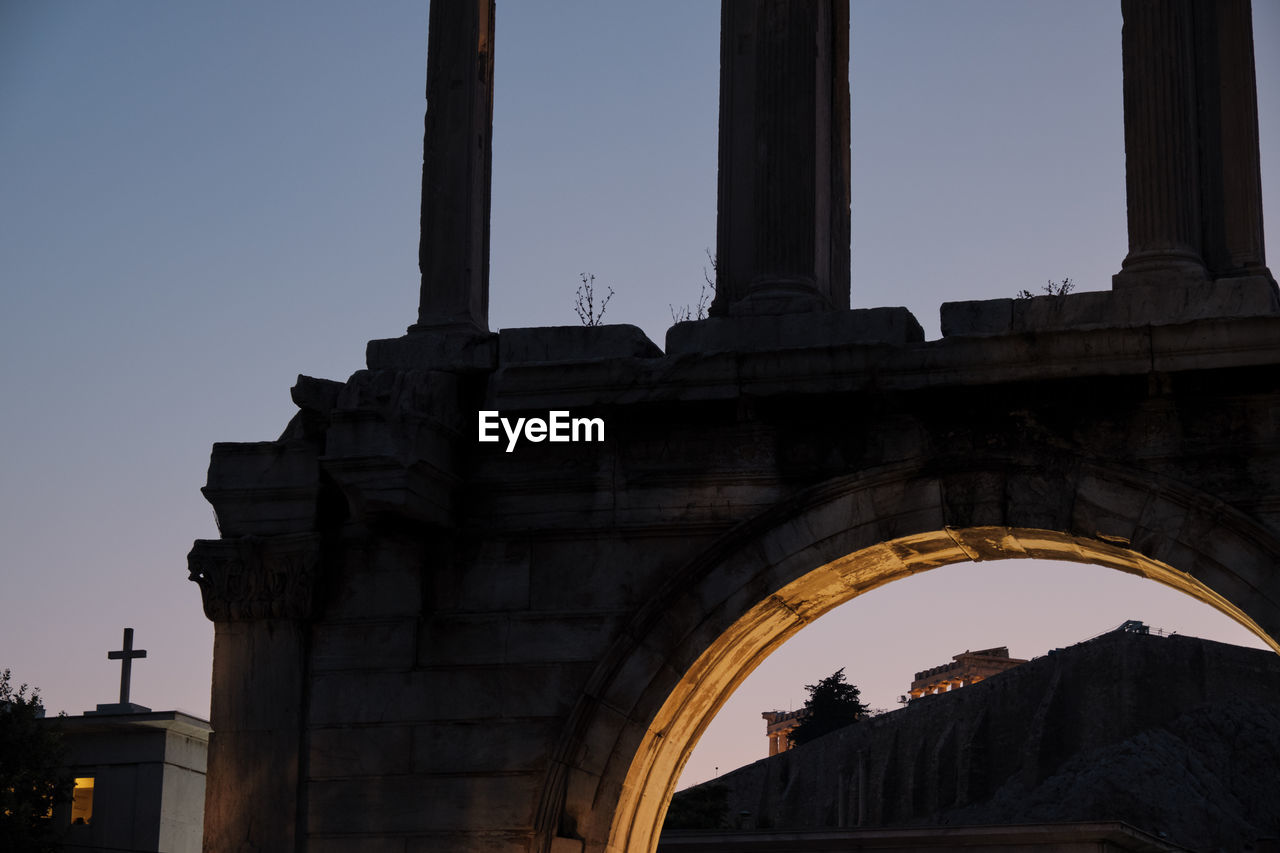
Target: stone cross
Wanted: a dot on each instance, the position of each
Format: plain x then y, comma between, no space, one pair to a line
457,156
126,657
782,229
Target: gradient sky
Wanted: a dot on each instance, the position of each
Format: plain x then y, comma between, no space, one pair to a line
200,201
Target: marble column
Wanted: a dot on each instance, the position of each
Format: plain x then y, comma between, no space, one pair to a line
782,235
453,254
1230,177
1162,164
1191,143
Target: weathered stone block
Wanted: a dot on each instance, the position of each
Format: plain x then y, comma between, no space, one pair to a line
364,645
315,396
435,349
462,693
258,666
977,317
907,507
360,751
786,331
1139,305
358,698
561,573
1103,508
252,790
464,639
377,594
492,577
574,343
485,746
560,637
263,488
422,803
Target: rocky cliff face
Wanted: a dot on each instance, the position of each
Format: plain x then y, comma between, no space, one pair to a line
1173,735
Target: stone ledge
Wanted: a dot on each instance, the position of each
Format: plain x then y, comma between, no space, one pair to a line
437,349
1133,306
958,361
574,343
795,331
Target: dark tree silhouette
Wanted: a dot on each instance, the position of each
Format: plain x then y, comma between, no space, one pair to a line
832,704
31,774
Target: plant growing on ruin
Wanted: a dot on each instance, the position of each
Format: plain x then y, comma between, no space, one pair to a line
585,304
833,703
1052,288
706,293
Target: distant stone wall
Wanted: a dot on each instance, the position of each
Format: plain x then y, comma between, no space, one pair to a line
1175,735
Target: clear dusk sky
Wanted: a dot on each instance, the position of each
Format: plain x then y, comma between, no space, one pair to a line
199,201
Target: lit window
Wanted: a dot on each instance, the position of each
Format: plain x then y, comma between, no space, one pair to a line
82,800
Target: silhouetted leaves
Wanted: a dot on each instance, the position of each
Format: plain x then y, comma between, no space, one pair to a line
833,703
32,778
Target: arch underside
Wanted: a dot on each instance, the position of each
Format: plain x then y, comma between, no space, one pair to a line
719,619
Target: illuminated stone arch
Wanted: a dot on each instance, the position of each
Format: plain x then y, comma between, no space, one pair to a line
685,654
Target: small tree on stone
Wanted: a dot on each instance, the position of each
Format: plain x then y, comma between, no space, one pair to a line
585,305
1061,288
707,292
833,703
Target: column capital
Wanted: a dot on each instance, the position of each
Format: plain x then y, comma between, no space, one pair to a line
254,578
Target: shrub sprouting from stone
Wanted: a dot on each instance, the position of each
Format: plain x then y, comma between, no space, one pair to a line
1052,288
706,293
585,303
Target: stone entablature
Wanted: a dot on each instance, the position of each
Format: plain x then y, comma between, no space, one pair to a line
966,668
778,728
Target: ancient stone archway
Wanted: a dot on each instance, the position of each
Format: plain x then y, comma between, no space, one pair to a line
829,545
428,640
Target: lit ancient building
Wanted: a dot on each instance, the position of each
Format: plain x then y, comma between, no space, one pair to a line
778,727
965,669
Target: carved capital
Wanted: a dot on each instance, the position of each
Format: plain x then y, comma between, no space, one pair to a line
250,578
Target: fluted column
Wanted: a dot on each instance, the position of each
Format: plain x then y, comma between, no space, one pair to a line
1191,143
782,236
1162,163
1230,177
453,253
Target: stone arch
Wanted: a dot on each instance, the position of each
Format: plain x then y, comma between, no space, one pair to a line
690,648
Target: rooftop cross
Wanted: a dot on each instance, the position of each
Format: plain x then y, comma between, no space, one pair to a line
126,656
